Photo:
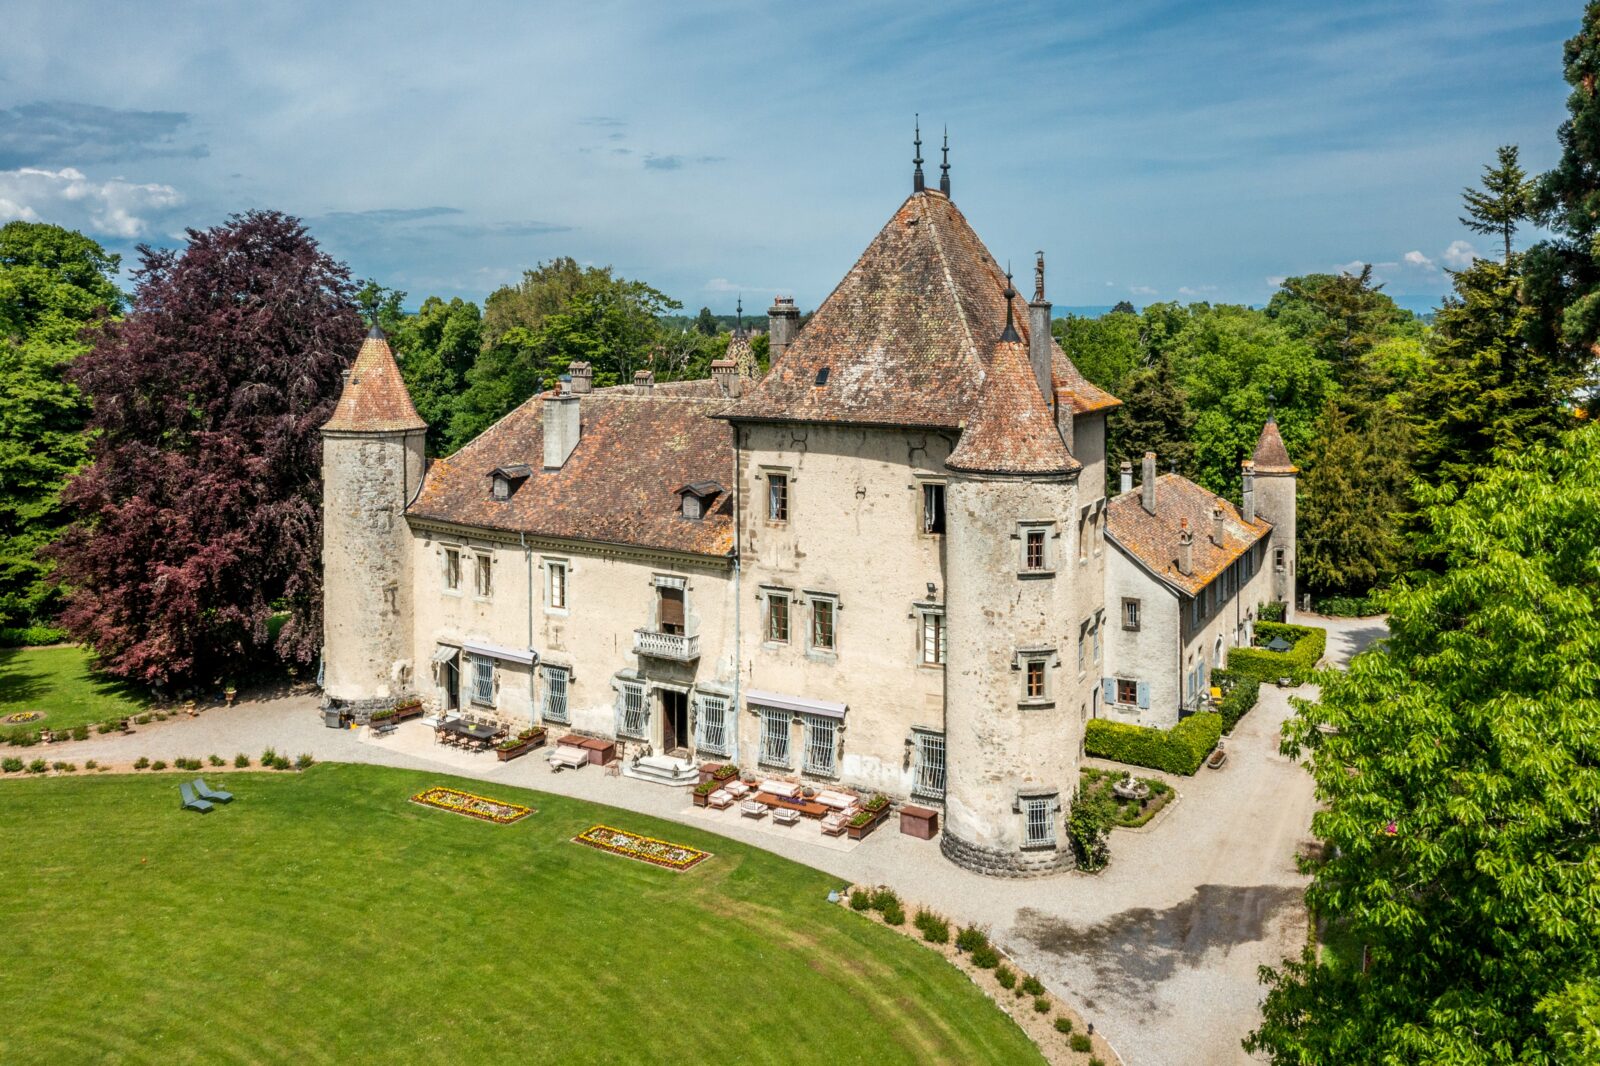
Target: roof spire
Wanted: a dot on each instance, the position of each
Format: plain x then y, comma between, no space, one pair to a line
1038,278
917,184
738,312
376,332
944,168
1010,333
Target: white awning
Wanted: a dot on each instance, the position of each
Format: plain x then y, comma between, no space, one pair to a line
495,651
445,652
794,703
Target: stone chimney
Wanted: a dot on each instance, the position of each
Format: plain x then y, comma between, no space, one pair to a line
1127,476
644,381
562,425
1216,523
1149,485
1185,548
1040,343
783,325
725,372
1248,473
582,375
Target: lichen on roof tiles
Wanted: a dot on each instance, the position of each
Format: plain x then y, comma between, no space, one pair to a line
1153,538
1271,457
374,397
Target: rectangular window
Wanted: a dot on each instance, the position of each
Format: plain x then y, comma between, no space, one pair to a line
1035,551
777,497
482,681
932,508
822,623
670,609
933,638
555,593
634,721
482,579
775,737
821,744
778,617
714,737
1277,559
555,693
1095,634
1083,535
1130,613
1127,691
1035,556
1034,685
1039,824
928,781
1083,642
452,568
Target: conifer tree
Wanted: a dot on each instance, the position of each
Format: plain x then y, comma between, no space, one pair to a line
1155,417
1353,497
1505,199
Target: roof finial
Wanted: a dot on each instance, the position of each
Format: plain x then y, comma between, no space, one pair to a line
1038,278
1272,408
944,168
917,184
738,312
1010,333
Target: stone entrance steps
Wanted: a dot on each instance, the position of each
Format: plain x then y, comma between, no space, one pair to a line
663,770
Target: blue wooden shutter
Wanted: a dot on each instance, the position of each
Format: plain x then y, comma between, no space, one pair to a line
1109,689
1144,695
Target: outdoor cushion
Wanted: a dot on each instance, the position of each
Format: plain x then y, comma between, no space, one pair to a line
837,800
737,789
211,794
720,799
190,803
569,756
780,788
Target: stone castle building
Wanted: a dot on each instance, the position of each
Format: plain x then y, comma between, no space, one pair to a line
889,563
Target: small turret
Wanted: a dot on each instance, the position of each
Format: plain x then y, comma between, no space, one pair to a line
1274,488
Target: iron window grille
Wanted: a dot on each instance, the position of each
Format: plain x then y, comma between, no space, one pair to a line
483,681
928,777
821,744
712,734
634,719
1039,824
555,694
775,737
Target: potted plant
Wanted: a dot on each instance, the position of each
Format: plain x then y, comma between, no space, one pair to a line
521,744
869,817
230,693
702,792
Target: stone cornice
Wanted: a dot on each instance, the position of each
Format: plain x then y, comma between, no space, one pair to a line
572,546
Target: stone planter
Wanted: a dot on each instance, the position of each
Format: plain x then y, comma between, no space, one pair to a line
858,832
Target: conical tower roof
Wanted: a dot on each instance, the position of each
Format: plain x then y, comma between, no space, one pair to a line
374,399
1271,456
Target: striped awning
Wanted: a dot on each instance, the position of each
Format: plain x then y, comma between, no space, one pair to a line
445,652
799,704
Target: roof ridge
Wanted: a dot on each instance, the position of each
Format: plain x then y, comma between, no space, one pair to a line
955,293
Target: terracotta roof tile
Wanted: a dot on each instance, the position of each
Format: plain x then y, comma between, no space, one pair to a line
909,337
1013,431
1271,456
620,484
374,398
1153,538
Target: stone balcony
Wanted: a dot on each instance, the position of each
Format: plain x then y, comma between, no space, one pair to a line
673,646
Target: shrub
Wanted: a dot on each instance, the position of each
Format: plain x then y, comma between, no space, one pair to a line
142,763
1179,750
971,939
159,764
859,899
217,760
1297,663
304,761
985,958
1063,1024
1089,829
1041,1005
894,914
1351,606
268,756
58,765
28,636
80,732
23,738
12,765
281,762
1033,986
935,930
1240,692
91,765
241,760
105,727
1095,1060
1273,612
883,897
38,766
161,716
143,719
1080,1042
1006,976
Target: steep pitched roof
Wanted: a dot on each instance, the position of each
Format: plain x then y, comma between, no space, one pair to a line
620,484
1012,431
1152,539
909,338
1271,456
374,398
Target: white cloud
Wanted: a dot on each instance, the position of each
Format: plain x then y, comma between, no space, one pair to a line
66,197
724,285
1277,280
1417,259
1459,255
1355,266
1196,290
1141,290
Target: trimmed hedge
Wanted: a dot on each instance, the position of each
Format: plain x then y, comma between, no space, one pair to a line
1350,606
1179,750
1242,690
30,636
1267,666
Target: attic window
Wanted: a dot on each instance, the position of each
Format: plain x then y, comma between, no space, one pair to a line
506,479
691,506
697,498
502,488
822,376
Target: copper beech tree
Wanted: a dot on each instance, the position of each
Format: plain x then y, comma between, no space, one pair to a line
199,515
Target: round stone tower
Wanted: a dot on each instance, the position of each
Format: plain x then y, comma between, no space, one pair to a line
1276,484
372,463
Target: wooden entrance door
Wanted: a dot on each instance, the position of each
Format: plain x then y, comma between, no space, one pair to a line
674,720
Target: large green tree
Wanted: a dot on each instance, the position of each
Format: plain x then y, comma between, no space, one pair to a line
1108,350
1505,200
1458,768
53,283
1354,495
436,348
1154,417
1342,316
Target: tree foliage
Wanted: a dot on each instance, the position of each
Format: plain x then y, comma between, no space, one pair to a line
200,513
1505,199
53,283
1354,496
435,348
1459,768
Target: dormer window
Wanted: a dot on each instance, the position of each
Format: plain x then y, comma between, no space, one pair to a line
697,498
505,480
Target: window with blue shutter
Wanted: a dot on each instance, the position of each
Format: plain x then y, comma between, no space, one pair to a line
1110,689
1144,695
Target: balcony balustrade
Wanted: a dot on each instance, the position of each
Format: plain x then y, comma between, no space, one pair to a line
675,646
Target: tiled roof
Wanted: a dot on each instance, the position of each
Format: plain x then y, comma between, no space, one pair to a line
909,337
1153,538
1271,456
620,484
1012,431
374,398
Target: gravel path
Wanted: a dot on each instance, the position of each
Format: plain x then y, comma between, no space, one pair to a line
1160,950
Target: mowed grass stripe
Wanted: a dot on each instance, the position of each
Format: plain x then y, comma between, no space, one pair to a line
337,922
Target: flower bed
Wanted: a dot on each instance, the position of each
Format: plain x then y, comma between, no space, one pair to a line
23,716
400,712
645,849
489,810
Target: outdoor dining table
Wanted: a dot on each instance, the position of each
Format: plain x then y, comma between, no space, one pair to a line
479,734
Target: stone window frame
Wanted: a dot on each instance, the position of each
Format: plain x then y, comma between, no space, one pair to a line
482,574
547,671
451,555
922,614
768,594
767,473
821,738
831,600
1024,661
552,566
926,486
477,681
1045,529
925,742
775,723
1132,620
1038,809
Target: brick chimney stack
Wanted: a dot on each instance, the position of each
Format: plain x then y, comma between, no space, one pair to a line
1149,486
1216,523
582,375
783,325
644,381
1248,473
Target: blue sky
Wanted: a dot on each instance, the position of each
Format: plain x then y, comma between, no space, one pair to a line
1155,149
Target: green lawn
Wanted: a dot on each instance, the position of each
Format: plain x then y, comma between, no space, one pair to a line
58,682
322,918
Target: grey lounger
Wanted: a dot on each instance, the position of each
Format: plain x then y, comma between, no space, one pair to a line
190,801
211,794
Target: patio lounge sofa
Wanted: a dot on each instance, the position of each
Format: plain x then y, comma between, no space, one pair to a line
191,802
839,801
785,789
753,809
736,788
836,823
721,799
565,756
212,794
